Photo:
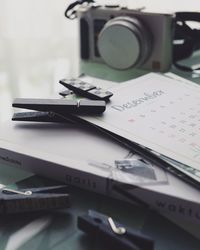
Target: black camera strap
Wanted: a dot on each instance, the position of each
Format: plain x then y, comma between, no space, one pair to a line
190,38
71,11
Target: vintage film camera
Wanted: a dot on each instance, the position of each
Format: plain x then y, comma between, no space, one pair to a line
125,38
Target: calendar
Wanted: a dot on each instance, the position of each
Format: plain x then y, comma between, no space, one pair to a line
159,113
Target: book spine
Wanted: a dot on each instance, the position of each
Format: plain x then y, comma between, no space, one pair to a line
163,203
172,206
157,201
54,171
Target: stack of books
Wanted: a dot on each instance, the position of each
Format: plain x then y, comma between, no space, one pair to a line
144,149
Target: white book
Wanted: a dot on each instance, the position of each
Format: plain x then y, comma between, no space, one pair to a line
90,160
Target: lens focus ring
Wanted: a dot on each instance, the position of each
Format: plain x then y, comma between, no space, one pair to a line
124,42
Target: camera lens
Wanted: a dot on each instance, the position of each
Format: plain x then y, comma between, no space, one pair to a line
124,42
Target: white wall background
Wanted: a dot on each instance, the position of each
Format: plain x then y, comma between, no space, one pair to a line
38,45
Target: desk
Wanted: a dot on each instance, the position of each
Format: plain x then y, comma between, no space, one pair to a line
36,43
58,229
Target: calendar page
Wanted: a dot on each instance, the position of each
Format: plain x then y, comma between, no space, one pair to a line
157,112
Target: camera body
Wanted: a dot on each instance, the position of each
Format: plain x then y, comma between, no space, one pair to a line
124,38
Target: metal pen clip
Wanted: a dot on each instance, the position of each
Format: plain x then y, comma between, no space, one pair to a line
5,190
33,199
117,230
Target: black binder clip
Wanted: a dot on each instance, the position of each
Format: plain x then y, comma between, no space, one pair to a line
34,199
104,229
56,110
85,89
61,106
37,116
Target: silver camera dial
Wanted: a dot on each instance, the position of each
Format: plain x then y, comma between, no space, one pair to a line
124,42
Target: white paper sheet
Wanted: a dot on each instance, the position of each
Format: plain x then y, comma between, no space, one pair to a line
158,112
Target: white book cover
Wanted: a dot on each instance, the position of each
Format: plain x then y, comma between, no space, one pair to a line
88,159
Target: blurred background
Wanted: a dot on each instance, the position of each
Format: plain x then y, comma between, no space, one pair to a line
39,46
